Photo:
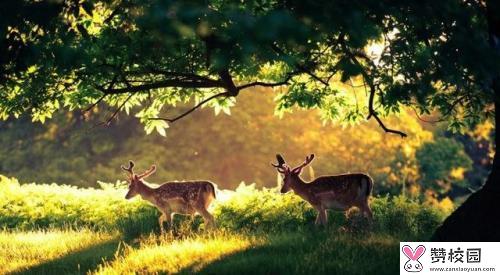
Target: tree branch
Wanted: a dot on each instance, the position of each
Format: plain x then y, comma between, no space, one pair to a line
300,67
115,113
111,84
181,83
201,103
94,104
266,84
369,80
387,130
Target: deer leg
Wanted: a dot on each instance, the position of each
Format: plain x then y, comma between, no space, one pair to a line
368,211
325,217
207,217
165,217
316,222
321,218
161,219
318,217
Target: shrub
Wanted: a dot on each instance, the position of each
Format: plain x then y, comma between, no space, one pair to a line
35,206
250,208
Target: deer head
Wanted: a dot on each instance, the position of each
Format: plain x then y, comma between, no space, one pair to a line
290,176
136,180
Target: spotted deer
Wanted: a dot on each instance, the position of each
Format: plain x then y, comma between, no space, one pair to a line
338,192
177,197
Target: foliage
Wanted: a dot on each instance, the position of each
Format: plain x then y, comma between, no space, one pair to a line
252,209
443,163
258,230
32,206
479,146
157,54
226,150
405,217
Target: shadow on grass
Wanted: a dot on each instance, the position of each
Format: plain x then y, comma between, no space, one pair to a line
316,253
76,262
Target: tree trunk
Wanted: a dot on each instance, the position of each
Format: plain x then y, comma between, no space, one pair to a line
478,218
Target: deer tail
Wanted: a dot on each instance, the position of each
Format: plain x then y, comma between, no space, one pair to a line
210,187
369,185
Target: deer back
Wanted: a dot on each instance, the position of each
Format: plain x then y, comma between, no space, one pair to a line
190,191
345,184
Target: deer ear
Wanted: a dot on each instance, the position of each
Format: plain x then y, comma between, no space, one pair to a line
297,170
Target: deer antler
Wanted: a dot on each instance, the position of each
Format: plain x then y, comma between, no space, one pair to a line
306,162
129,168
281,166
148,172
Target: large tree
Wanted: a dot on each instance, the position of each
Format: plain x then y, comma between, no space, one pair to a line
429,55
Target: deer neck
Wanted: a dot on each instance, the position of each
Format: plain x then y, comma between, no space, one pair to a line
146,192
299,186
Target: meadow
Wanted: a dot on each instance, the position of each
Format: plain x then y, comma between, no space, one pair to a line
62,229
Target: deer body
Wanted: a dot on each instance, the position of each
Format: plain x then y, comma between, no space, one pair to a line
337,192
178,197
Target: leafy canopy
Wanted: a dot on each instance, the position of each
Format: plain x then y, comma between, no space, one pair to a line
157,54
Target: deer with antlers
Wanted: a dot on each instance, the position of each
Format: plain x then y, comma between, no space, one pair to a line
338,192
177,197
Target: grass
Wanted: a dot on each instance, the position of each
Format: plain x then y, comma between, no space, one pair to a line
54,229
160,254
318,251
67,251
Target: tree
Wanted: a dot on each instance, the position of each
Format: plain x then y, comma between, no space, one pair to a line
156,54
443,163
225,149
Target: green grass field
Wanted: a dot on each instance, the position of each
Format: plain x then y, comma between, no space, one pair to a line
310,252
52,229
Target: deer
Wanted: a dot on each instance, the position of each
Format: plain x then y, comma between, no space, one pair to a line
335,192
175,197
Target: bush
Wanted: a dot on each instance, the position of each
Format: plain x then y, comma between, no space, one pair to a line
250,209
406,217
34,206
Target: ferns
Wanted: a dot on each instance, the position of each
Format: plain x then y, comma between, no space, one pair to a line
37,206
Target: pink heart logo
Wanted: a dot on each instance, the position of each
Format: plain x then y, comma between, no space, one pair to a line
413,254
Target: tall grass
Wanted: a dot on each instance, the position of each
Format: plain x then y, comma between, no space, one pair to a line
77,230
37,206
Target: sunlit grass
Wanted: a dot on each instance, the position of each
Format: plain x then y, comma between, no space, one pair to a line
309,251
160,254
313,251
258,231
20,251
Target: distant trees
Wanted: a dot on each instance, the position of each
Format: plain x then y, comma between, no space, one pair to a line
229,149
443,163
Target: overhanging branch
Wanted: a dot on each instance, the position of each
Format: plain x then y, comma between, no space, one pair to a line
371,85
170,120
301,67
207,83
387,130
267,84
